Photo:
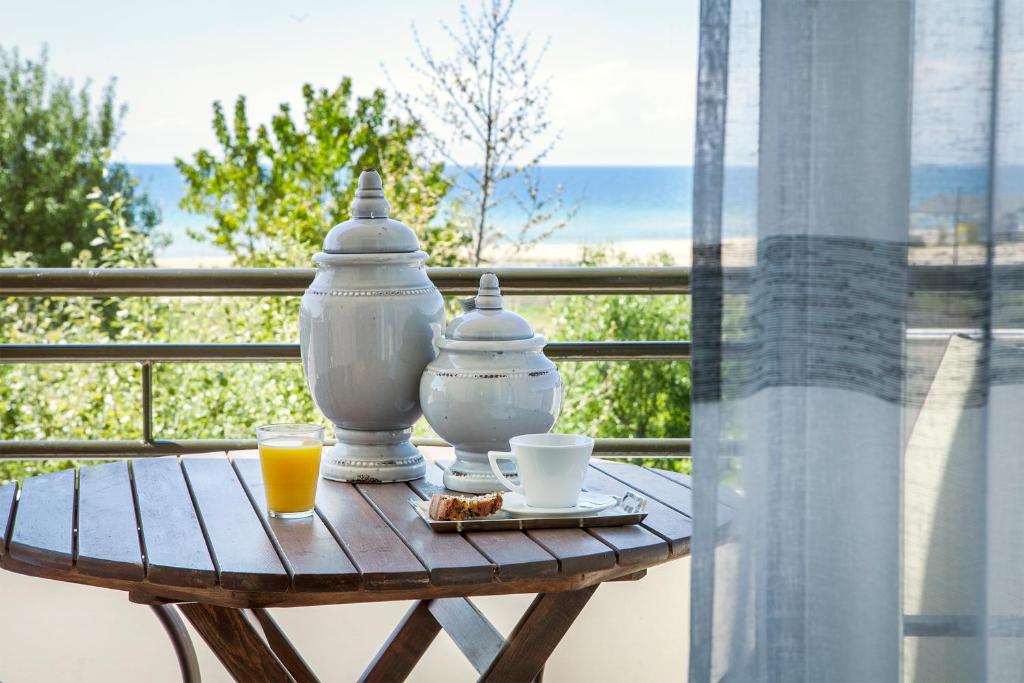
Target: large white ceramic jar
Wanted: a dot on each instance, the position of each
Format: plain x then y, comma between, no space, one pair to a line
489,382
366,336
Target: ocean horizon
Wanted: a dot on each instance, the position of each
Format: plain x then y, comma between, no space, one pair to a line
614,204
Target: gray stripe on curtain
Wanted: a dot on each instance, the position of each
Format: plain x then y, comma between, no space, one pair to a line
708,173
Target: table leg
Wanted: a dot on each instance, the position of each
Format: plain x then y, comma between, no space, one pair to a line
283,648
181,641
519,658
236,642
536,635
404,647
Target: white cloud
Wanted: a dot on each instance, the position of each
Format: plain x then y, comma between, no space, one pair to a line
626,111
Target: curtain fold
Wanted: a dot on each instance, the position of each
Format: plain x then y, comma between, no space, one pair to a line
858,328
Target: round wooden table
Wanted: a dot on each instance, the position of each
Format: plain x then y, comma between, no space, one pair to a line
192,534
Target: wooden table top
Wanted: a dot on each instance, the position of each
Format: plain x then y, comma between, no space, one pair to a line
195,529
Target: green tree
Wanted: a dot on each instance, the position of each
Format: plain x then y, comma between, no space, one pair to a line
273,191
77,400
643,399
101,401
55,151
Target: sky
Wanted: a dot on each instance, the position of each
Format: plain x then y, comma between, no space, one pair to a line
623,73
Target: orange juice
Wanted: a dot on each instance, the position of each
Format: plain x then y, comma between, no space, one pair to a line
291,466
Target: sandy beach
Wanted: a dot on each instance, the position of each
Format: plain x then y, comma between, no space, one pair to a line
548,254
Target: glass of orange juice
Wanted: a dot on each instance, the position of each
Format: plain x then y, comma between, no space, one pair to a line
290,460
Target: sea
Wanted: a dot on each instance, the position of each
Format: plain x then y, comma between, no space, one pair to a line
615,204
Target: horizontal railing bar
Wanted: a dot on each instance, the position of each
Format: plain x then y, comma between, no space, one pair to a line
942,334
162,353
120,448
638,446
922,278
961,626
13,450
626,351
568,280
514,280
185,353
293,281
188,353
965,278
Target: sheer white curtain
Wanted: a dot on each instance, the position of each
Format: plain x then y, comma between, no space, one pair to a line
858,337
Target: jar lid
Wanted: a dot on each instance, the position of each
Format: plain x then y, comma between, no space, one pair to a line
370,231
486,319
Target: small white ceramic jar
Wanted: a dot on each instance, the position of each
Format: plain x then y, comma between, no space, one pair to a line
489,382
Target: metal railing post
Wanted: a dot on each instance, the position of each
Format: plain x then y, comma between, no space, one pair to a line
147,401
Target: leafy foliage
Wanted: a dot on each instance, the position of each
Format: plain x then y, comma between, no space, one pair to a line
644,399
273,191
55,149
198,401
77,401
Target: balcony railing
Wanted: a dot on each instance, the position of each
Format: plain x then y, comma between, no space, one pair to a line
59,282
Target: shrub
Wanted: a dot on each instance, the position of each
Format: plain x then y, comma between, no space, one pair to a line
625,399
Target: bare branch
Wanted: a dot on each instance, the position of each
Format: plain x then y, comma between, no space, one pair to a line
485,98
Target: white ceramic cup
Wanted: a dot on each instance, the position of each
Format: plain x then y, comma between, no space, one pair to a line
551,467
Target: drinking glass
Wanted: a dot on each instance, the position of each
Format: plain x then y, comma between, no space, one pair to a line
290,460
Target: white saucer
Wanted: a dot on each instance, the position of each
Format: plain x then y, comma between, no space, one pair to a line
589,504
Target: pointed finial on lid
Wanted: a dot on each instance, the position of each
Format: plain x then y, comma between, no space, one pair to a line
486,318
489,296
369,201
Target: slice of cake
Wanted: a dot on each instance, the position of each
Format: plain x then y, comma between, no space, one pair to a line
448,508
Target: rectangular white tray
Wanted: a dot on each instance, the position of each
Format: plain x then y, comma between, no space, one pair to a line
630,510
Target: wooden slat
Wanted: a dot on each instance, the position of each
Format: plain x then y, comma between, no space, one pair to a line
236,643
176,551
678,477
316,560
633,544
669,491
449,558
671,525
242,551
646,482
472,633
8,496
381,557
514,553
577,551
405,646
44,528
108,533
727,496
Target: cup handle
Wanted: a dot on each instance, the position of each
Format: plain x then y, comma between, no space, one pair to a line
493,457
